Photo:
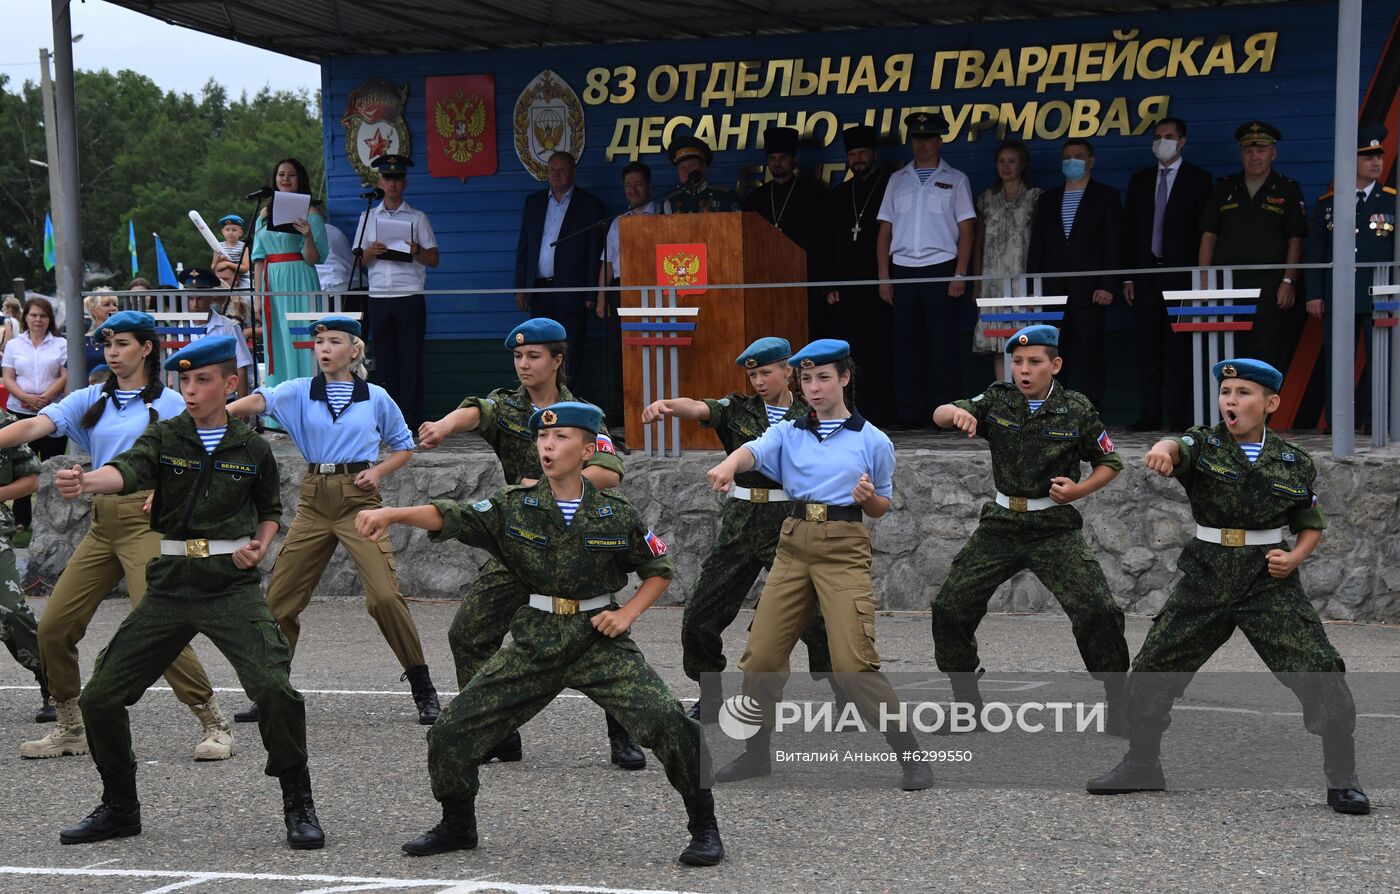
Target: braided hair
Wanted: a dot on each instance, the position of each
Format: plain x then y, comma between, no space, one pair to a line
153,389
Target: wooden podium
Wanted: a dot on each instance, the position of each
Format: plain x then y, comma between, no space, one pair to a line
739,247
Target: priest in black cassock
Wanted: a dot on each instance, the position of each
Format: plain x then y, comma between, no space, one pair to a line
797,207
857,312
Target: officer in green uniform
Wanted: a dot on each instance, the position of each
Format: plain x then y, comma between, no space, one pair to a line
1039,432
502,420
749,525
573,546
1375,241
1247,488
19,477
1257,217
692,158
215,485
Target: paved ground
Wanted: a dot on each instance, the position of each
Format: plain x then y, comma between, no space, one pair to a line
564,820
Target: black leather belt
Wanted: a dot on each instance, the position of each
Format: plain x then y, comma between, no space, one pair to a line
336,468
544,281
822,512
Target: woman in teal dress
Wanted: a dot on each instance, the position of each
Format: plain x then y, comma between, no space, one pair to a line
286,262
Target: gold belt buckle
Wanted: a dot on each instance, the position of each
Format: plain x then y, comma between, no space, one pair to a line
816,512
1018,504
758,495
564,606
1232,536
197,549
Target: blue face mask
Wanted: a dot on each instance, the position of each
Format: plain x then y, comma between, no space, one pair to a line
1074,168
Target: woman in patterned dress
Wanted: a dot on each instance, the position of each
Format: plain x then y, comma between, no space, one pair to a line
1004,215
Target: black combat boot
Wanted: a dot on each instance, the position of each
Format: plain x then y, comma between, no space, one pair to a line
1116,705
625,752
1344,793
424,695
506,751
47,713
916,774
757,759
118,816
706,708
1139,771
965,692
456,832
247,715
705,848
299,811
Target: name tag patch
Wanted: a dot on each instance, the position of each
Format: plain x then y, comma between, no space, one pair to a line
1060,434
1216,470
236,468
181,462
1005,423
534,538
606,542
1288,490
515,429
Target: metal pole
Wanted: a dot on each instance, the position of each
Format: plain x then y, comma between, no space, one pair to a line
70,238
1344,237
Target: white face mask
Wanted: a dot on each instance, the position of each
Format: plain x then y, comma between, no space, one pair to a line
1165,150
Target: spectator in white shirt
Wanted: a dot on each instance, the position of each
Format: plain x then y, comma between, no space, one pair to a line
35,369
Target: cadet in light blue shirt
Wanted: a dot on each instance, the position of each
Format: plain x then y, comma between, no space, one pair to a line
338,421
837,469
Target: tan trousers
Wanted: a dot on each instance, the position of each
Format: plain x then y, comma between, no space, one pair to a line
826,564
325,517
119,543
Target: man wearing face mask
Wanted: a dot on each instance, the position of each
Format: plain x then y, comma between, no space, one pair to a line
1078,226
1257,217
1164,207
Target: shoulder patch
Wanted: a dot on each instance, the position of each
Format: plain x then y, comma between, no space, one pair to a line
1213,441
482,505
655,544
1288,456
605,511
723,401
1188,440
977,398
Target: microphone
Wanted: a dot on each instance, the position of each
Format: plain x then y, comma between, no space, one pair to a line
262,193
375,193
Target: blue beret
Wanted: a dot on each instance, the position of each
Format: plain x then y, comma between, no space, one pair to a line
100,368
1040,334
199,278
567,414
766,350
231,219
127,321
1249,370
539,331
206,351
336,323
392,165
821,352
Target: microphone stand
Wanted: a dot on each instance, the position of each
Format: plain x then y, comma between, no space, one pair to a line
608,220
254,378
359,250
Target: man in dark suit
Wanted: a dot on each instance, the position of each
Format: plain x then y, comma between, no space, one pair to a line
560,214
1078,226
1164,207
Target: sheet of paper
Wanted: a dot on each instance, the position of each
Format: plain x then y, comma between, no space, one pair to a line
395,234
289,206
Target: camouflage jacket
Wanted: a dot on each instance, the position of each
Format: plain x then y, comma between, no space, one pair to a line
738,419
222,495
505,425
15,463
524,529
1029,449
1227,492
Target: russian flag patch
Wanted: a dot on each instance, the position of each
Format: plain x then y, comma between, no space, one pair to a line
1106,443
604,444
655,544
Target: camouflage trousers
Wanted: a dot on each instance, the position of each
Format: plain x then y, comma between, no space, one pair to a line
232,613
1225,588
748,541
547,654
999,548
18,628
483,619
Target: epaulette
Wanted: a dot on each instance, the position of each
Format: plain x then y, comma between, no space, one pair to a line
1389,189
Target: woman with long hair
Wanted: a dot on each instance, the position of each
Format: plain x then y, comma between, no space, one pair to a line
286,262
105,420
1004,215
502,418
35,372
338,421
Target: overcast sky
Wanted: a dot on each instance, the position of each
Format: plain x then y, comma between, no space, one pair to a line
175,58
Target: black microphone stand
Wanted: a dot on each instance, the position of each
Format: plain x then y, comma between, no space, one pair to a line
694,178
359,250
254,378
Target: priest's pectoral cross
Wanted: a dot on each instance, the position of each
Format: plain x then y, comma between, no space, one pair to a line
855,231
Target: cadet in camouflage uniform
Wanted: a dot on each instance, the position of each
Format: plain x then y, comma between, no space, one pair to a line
215,484
749,525
691,156
1039,432
1247,488
502,420
19,477
573,546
